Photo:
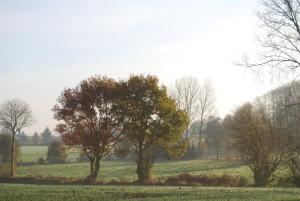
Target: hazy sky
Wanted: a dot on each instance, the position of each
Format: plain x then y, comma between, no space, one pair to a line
49,45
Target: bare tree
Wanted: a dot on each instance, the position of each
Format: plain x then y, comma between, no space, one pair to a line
206,100
279,37
14,116
186,93
258,140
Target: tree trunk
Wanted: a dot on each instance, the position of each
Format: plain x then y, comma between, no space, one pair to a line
92,166
187,133
12,157
139,168
200,138
97,167
260,180
144,165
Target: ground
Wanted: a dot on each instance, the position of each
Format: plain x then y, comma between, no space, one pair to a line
126,169
15,192
123,170
120,170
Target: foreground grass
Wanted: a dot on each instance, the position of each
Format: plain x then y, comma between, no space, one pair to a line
15,192
126,170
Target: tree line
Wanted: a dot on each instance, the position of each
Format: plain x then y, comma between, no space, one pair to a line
46,137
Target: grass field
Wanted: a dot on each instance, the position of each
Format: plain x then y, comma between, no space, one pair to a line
33,153
122,169
15,192
126,170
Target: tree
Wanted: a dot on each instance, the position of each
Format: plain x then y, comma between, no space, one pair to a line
257,139
35,138
227,137
57,152
283,105
151,119
206,100
213,129
14,116
46,136
279,37
186,93
88,121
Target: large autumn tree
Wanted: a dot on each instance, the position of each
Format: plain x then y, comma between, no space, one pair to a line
151,119
87,120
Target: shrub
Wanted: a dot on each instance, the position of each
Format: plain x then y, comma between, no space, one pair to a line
4,170
57,153
26,163
5,148
41,160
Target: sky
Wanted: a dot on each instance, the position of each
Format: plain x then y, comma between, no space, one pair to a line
47,46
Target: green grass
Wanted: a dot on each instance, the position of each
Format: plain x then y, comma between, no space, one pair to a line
123,170
33,153
126,170
15,192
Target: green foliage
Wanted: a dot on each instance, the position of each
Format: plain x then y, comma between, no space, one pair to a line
5,148
5,144
41,161
35,139
10,192
4,170
57,153
151,118
46,137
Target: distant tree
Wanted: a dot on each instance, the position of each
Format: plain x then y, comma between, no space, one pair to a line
214,132
88,121
206,100
22,138
227,137
186,93
258,140
57,152
14,116
151,119
35,139
46,136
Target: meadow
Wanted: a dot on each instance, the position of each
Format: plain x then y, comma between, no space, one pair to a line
122,169
33,153
125,170
13,192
